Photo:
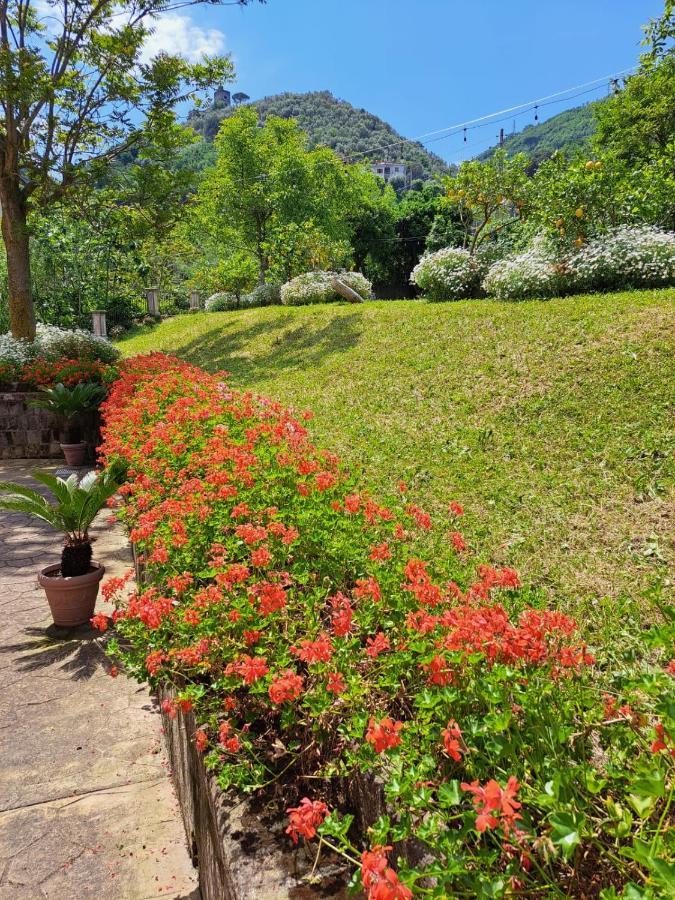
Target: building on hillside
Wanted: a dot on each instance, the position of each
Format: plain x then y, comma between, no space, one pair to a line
390,170
221,97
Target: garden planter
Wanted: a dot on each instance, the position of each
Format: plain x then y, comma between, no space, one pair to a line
74,453
71,600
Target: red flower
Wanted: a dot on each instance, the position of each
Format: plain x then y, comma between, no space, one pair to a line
458,541
342,615
670,668
452,737
456,509
325,480
114,672
201,740
251,668
336,683
252,637
368,587
192,617
285,687
663,739
261,557
320,650
383,735
376,645
306,818
379,879
99,622
380,552
422,518
495,805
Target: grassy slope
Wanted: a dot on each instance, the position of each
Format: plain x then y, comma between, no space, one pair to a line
549,421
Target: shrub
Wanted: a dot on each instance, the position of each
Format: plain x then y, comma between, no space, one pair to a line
264,295
315,287
54,347
319,653
54,343
69,372
449,274
222,302
532,274
626,257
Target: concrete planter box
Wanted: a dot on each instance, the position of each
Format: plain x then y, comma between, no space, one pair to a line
28,433
241,849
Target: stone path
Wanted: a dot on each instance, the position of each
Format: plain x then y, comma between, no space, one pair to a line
86,807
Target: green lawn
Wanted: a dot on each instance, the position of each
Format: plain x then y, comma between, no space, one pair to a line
550,421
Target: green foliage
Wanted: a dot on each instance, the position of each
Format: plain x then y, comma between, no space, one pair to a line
637,124
330,123
73,100
78,501
70,402
488,195
568,132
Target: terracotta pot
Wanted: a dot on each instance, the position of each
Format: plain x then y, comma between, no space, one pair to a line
74,453
71,600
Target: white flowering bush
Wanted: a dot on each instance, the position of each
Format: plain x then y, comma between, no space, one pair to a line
448,274
261,295
222,302
532,274
52,342
631,256
316,287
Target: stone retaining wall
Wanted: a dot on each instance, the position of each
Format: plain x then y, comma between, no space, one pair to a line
239,845
28,433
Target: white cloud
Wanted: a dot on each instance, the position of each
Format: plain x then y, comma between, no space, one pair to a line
176,34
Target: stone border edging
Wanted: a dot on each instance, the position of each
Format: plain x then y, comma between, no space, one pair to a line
241,853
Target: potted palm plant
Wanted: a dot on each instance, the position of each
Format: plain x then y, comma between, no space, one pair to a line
69,404
72,584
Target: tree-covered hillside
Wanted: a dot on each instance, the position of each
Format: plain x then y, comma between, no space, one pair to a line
334,123
568,130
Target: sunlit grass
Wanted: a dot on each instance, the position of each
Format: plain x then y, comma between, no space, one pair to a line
551,422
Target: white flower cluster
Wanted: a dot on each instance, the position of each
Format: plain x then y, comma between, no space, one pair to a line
528,275
626,257
448,274
52,342
315,287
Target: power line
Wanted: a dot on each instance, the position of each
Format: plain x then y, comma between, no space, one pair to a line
470,124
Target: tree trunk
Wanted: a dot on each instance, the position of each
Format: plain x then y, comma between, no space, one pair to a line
15,236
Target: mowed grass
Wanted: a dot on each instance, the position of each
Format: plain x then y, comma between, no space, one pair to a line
551,422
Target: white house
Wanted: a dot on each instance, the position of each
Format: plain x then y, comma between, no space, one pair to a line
387,169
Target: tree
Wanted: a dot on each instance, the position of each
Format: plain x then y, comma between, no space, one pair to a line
269,195
75,95
490,195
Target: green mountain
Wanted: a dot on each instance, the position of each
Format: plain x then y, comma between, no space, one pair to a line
567,131
353,133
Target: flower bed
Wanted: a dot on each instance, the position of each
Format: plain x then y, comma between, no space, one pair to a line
56,355
445,733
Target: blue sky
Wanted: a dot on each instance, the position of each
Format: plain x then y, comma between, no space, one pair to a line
422,64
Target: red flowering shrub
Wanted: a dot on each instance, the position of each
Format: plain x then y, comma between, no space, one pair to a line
291,613
47,372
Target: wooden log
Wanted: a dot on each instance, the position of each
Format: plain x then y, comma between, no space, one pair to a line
345,291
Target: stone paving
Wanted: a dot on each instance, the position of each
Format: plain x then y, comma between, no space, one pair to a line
86,805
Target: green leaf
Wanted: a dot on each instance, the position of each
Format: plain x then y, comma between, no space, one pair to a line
566,831
649,786
449,793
